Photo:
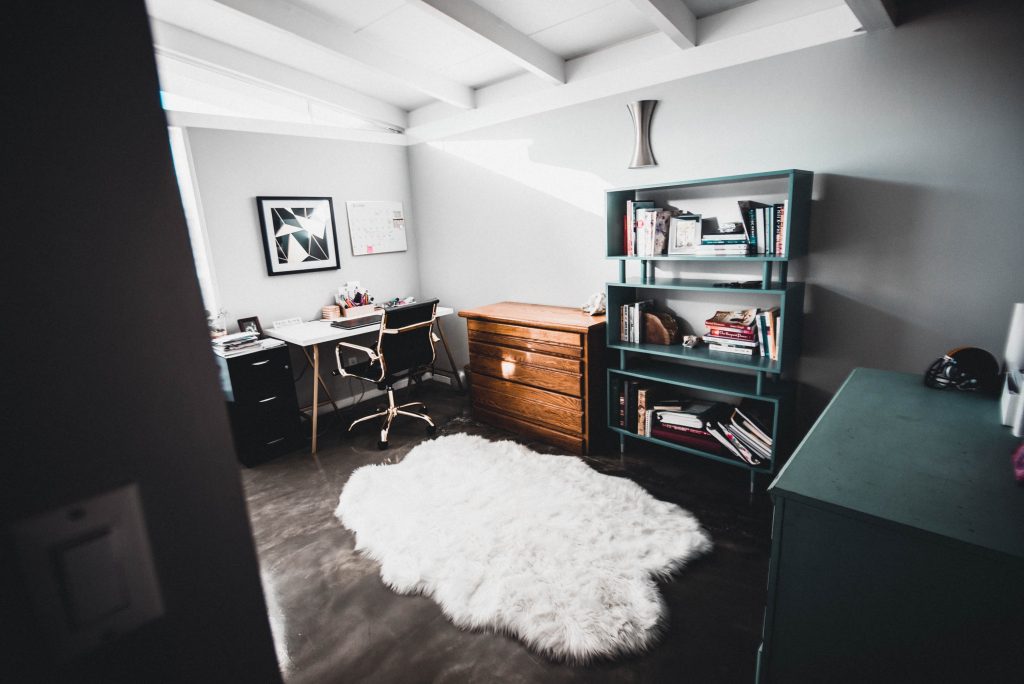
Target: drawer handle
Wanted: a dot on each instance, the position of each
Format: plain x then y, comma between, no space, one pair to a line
275,441
263,401
260,363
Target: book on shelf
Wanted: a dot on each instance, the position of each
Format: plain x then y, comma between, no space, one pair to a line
731,349
719,233
732,334
738,250
652,231
692,413
629,239
734,341
750,210
631,320
767,330
702,442
737,319
779,223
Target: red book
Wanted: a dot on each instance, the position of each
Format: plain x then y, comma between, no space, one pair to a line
738,333
706,443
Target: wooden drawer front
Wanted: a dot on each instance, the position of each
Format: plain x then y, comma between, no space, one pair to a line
532,394
573,443
532,358
526,344
540,334
521,407
546,378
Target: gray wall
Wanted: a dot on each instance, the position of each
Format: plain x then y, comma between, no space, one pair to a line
233,168
916,141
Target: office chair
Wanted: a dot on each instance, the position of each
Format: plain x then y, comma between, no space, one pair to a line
405,347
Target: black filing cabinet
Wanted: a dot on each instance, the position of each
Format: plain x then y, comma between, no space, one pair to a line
262,405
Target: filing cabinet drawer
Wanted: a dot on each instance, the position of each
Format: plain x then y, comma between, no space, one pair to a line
526,332
260,374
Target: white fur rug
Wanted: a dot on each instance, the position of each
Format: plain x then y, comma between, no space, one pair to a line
540,547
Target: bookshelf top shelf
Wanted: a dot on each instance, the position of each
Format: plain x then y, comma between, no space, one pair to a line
721,180
701,285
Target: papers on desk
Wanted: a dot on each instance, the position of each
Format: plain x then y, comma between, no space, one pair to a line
242,343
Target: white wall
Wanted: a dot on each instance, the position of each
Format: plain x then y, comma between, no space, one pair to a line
916,141
233,168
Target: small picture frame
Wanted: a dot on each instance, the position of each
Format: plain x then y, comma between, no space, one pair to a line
251,324
684,234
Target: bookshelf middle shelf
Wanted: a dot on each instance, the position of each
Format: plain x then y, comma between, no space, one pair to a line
692,301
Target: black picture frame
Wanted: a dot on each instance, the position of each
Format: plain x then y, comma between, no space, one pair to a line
244,323
299,234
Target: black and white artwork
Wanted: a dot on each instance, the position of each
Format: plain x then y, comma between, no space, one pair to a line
298,234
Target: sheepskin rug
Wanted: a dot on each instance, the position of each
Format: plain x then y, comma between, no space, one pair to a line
540,547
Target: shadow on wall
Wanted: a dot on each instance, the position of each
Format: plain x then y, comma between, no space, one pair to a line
832,347
863,277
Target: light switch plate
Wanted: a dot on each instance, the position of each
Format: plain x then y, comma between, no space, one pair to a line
89,571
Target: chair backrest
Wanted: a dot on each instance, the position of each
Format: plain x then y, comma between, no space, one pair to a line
406,339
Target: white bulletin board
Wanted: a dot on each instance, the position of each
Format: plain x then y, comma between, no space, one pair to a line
376,227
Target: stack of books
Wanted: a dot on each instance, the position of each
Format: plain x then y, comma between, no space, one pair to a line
734,332
235,344
765,225
631,320
646,229
768,332
752,441
708,426
723,239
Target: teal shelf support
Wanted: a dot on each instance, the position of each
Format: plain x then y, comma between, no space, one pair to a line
622,271
760,382
766,275
783,273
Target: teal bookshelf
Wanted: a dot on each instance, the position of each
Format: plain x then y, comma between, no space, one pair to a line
700,372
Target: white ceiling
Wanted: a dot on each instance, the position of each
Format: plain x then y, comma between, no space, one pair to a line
431,68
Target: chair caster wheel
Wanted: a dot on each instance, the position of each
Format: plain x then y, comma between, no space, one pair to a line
382,445
431,430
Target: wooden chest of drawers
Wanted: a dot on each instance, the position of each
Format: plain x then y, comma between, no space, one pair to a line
539,371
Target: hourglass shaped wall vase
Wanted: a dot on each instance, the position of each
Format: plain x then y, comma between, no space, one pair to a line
642,111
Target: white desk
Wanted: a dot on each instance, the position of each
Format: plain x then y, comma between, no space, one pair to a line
314,333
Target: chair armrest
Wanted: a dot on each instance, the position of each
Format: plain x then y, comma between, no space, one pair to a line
372,353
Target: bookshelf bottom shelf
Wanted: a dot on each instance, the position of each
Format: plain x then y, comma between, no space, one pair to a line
754,470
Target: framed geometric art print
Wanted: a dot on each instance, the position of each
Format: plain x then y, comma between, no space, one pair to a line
298,234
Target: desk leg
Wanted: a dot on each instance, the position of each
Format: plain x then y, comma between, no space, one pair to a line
448,352
316,389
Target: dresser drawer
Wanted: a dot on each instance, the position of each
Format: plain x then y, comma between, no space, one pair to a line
524,332
536,376
561,363
531,394
526,344
573,443
521,407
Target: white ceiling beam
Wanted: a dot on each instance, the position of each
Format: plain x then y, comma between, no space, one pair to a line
874,15
471,18
673,18
237,123
178,43
345,42
601,75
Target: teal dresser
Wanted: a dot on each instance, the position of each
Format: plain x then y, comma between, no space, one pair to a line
897,542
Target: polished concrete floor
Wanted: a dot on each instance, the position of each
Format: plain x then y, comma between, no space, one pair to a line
339,623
